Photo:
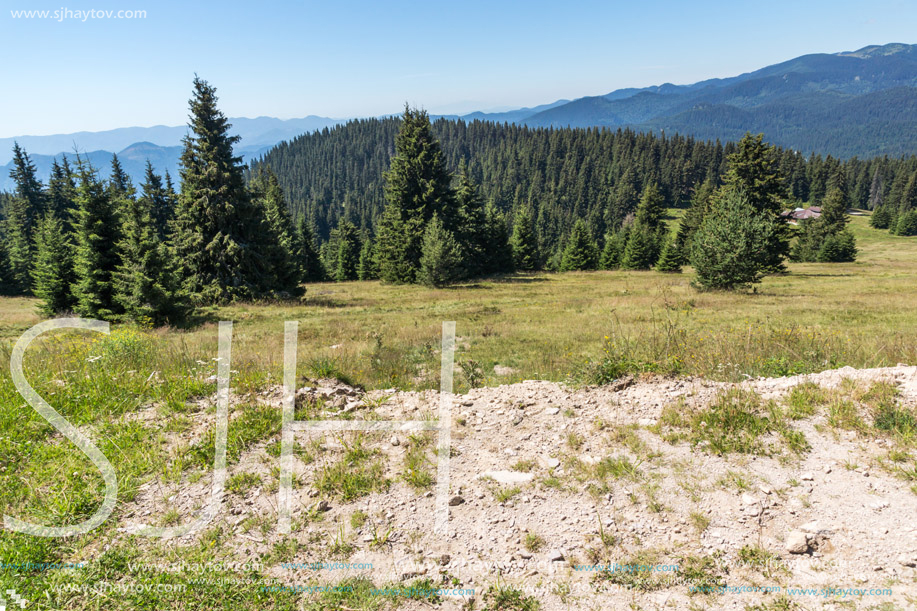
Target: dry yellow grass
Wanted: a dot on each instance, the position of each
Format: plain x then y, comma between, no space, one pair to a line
584,325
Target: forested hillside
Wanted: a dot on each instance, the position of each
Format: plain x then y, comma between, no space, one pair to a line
559,175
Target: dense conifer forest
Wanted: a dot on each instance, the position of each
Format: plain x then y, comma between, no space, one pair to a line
557,175
409,201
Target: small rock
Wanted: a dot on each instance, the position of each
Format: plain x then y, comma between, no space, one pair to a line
525,555
809,527
748,499
908,560
797,542
456,500
555,556
323,506
552,411
807,477
395,441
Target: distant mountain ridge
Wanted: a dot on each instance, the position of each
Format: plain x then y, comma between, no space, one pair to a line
845,104
160,144
853,103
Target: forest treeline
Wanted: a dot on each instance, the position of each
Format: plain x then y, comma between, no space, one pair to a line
557,176
407,200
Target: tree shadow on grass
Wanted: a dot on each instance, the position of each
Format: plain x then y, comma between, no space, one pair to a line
517,279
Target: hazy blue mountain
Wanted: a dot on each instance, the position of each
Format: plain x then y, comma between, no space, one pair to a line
133,160
257,134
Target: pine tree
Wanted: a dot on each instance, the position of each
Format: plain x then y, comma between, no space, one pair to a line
471,228
613,250
909,197
497,252
880,218
347,252
146,286
838,247
17,246
218,232
417,186
646,235
52,272
700,205
29,190
729,249
156,199
62,192
97,230
368,268
309,263
907,223
441,261
825,238
120,187
580,252
523,243
754,170
670,259
20,218
640,252
277,242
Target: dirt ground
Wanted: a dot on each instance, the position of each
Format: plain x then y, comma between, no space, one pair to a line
528,510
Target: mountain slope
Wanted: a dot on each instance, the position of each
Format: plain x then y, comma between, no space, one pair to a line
845,104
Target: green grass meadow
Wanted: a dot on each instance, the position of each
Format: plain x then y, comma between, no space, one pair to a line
581,328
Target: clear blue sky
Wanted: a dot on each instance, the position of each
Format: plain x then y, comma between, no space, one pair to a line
346,58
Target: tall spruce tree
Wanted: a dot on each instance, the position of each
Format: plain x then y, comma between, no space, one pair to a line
156,199
670,260
97,229
441,258
498,254
278,241
580,252
347,252
146,284
906,224
120,187
471,227
729,249
826,239
20,218
62,192
754,170
368,268
17,247
523,243
310,264
218,231
417,186
646,235
52,272
29,190
613,249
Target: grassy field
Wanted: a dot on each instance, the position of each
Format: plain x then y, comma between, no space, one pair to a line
577,327
580,326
